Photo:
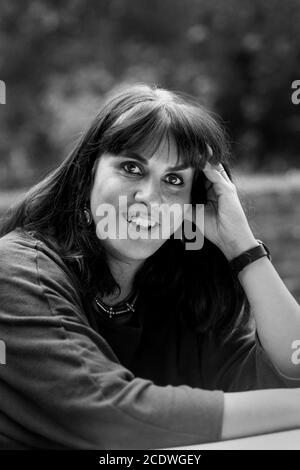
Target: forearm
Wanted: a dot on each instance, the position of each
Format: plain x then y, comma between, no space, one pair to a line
276,312
259,412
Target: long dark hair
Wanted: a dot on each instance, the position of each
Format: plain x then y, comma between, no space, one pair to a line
200,283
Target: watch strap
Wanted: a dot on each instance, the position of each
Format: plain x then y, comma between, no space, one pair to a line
247,257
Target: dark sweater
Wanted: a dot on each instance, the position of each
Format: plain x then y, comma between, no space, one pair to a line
72,383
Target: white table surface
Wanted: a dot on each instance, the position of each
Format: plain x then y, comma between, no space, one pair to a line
287,440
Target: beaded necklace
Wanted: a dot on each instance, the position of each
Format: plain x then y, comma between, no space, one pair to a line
123,309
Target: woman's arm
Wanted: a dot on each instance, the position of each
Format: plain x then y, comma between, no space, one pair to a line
67,386
70,391
276,312
260,412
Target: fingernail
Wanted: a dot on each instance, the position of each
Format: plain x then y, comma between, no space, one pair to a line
209,150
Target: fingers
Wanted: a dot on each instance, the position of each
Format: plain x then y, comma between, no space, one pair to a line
209,150
216,173
218,167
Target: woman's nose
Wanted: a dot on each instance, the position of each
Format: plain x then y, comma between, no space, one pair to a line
148,192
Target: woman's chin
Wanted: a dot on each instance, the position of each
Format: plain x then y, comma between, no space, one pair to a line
139,249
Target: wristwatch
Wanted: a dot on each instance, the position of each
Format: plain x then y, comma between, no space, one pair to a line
247,257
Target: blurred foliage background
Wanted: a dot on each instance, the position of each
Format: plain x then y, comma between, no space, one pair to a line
58,59
238,57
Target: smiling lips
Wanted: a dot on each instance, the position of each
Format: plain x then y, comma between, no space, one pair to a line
144,223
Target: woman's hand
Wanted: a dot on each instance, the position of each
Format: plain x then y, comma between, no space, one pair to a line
225,223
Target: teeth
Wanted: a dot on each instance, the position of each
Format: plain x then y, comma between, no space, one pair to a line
144,223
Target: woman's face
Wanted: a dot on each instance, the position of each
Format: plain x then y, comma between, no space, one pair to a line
149,187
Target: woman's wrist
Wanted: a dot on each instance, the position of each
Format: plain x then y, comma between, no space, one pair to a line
236,248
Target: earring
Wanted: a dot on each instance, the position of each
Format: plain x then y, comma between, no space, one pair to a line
87,216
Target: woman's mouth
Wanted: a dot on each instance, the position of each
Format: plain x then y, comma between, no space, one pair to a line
142,223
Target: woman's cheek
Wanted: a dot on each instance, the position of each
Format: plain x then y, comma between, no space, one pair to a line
115,187
181,198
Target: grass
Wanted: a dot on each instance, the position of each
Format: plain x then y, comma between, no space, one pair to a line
272,205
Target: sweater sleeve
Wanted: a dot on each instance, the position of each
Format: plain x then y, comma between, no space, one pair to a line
63,387
240,363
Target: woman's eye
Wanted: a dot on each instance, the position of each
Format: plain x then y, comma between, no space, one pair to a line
174,179
132,168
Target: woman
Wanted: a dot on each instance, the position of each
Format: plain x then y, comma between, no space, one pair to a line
133,342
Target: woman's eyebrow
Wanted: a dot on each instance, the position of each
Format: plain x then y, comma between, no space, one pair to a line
144,160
